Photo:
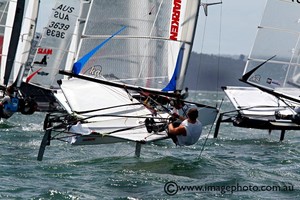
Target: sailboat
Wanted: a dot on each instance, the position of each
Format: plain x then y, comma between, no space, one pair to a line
18,20
55,50
127,87
272,71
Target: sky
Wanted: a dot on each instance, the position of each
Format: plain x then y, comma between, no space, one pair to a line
229,28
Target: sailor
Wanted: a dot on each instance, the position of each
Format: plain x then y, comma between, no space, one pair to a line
185,95
185,131
9,104
178,102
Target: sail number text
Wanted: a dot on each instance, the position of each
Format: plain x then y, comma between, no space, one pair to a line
298,1
60,28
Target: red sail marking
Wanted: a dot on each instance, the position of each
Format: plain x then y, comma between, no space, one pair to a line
32,75
175,19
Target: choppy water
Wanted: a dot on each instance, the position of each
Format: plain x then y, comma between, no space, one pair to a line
236,165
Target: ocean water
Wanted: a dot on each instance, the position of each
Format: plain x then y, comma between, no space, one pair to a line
239,164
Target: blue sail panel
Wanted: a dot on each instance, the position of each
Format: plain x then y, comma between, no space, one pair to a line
172,83
77,67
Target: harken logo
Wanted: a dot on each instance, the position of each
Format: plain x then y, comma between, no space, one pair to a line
175,20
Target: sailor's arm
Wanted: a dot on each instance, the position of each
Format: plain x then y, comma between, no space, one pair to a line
176,116
180,130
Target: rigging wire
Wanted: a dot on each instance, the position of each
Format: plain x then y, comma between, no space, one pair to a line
200,58
219,50
218,69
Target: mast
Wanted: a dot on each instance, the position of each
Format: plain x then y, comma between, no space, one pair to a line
16,30
84,6
14,39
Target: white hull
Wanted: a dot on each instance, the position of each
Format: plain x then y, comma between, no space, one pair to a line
253,102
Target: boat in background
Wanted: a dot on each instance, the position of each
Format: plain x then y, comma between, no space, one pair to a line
55,51
273,71
18,27
127,87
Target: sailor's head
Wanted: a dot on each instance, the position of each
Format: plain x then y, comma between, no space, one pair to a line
193,113
9,90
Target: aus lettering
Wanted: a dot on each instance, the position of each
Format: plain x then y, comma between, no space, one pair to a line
62,11
62,16
65,8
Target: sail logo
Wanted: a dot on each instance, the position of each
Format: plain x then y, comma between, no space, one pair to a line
44,51
272,82
42,62
256,78
43,73
175,19
95,71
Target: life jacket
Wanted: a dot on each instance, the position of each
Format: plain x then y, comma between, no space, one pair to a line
13,105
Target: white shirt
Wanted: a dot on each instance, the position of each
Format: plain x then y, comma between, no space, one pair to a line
193,132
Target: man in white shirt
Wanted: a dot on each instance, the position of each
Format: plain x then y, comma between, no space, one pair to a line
185,132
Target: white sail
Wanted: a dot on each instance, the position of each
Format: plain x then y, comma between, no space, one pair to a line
136,47
25,38
8,9
147,50
54,47
3,52
278,35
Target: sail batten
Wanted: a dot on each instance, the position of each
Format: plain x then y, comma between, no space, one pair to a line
279,29
133,37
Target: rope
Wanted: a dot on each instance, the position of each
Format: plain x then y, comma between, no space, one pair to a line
218,72
212,125
106,108
204,144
